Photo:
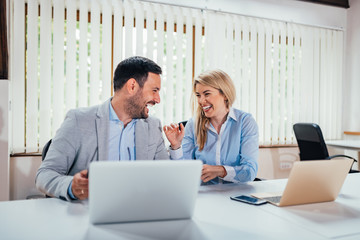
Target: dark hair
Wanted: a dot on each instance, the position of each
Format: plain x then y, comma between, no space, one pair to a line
134,67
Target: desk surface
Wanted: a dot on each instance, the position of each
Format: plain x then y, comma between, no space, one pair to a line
347,144
215,217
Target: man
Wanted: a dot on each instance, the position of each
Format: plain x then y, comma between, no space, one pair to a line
118,129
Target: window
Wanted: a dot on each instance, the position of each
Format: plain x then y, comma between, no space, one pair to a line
64,55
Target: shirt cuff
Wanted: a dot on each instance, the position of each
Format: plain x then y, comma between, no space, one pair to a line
71,195
230,174
176,154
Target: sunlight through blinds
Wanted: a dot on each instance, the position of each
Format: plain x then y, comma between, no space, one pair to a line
283,73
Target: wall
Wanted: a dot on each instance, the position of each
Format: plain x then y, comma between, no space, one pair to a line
351,90
283,10
4,136
22,177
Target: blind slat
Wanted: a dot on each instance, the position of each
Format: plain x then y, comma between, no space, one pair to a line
179,67
275,87
83,96
198,46
129,26
296,76
245,89
188,64
289,86
150,26
58,71
139,24
282,83
71,78
323,83
106,52
95,53
159,108
169,65
237,61
118,33
32,78
18,79
330,82
261,81
268,55
228,47
339,89
253,65
45,72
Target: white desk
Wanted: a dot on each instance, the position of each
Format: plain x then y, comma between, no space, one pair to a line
347,144
215,217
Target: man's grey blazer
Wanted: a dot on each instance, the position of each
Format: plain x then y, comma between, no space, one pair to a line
83,138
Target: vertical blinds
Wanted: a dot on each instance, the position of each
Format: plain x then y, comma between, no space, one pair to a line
63,56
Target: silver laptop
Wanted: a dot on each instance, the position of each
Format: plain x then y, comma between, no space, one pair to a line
143,190
311,182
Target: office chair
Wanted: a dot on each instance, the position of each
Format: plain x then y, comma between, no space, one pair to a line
45,149
43,154
311,143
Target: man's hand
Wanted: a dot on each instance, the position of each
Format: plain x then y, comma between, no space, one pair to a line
80,185
210,172
174,134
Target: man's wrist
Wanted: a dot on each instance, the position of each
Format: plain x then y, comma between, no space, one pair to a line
175,147
70,193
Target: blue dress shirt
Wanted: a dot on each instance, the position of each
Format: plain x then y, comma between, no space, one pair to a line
121,140
236,147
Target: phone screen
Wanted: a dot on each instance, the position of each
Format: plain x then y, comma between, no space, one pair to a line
248,199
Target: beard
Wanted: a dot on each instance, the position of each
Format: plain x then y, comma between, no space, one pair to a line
136,106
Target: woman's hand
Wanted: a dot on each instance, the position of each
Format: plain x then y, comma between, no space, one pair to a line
210,172
174,134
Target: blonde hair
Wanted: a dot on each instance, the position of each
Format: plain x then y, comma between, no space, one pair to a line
219,80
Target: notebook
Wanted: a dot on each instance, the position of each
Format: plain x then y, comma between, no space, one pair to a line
311,182
129,191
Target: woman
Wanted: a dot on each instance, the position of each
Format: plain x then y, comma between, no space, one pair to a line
224,138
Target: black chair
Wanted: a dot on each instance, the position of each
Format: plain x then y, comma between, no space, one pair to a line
311,143
43,154
45,149
183,123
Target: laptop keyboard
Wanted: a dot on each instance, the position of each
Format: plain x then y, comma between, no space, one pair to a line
275,199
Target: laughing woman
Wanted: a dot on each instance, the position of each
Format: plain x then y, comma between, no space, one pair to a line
224,138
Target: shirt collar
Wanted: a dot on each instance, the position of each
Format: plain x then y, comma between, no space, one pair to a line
112,114
231,114
114,117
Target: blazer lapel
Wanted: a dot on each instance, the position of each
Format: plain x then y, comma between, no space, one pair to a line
102,130
141,139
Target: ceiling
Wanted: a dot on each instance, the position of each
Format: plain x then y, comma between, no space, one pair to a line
336,3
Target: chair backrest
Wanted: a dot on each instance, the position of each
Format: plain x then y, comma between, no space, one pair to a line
183,122
45,149
310,141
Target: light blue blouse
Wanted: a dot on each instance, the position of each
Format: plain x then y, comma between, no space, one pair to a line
236,147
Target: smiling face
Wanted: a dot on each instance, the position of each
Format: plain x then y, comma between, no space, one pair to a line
137,105
211,101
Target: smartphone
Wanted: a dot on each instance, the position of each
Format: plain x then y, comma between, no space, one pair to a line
248,199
